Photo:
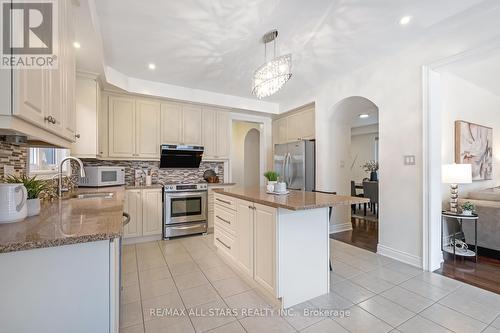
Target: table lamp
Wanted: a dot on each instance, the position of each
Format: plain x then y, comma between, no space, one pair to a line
455,174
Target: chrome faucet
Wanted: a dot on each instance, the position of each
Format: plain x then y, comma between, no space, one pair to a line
82,172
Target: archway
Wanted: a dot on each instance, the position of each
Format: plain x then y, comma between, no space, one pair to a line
353,143
251,162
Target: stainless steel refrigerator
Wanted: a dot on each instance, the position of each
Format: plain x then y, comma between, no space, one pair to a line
295,162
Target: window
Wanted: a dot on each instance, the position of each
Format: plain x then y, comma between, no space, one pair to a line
45,161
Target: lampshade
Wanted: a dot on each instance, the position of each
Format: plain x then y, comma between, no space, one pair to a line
457,173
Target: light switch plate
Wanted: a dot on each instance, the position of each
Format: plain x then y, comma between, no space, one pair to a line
409,160
8,170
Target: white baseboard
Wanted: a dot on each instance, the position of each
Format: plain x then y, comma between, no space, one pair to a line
407,258
334,228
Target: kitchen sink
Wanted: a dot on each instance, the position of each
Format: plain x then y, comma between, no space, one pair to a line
95,195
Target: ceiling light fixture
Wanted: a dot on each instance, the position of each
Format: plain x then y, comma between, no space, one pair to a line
273,74
405,20
152,66
364,115
76,45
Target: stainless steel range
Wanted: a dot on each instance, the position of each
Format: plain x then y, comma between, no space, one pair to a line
184,210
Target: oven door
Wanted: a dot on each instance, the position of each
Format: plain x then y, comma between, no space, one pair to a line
183,207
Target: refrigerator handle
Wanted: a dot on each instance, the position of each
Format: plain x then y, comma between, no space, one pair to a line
288,170
283,171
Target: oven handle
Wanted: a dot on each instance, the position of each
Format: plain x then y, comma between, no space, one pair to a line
186,227
185,194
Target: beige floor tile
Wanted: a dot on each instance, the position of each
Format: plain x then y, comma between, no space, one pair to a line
299,319
475,306
335,278
331,301
158,273
133,329
491,329
373,284
172,248
148,264
384,309
129,267
325,326
452,320
361,321
404,268
219,273
425,289
157,288
407,299
183,268
345,270
199,295
388,275
210,315
210,262
170,325
440,281
178,258
130,314
231,286
268,324
352,292
126,249
130,294
130,279
247,300
419,324
190,280
496,322
153,308
233,327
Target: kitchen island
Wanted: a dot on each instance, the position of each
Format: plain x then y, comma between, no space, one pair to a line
60,269
280,243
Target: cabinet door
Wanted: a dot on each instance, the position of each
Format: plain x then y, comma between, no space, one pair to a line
244,235
223,134
209,118
121,127
265,247
279,131
86,118
68,113
133,206
171,123
300,126
151,212
32,90
191,125
102,125
148,129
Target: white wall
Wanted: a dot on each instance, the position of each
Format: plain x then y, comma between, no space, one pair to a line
239,132
252,158
395,86
363,149
462,100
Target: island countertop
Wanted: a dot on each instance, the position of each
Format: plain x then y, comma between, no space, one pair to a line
295,200
67,221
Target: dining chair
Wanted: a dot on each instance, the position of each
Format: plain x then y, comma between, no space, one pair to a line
370,190
355,194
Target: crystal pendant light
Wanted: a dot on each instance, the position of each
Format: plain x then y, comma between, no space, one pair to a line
273,74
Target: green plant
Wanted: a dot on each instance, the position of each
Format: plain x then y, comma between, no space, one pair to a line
271,176
370,166
468,206
33,186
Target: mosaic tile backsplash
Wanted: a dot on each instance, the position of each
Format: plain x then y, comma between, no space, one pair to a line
161,175
15,155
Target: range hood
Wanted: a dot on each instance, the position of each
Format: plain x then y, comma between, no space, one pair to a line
180,156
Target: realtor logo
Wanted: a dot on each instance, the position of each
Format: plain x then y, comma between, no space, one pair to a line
28,34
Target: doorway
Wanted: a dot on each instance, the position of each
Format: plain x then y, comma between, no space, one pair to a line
246,153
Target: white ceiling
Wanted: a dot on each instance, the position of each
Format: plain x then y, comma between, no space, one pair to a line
214,45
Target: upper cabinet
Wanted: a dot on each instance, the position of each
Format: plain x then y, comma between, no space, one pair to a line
121,135
87,110
216,133
181,124
295,126
147,122
191,125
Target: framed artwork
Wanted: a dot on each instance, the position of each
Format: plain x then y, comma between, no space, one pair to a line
474,145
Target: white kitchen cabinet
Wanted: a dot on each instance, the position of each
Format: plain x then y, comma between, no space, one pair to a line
245,235
296,126
216,134
265,246
191,125
151,212
122,136
68,73
223,137
87,105
133,206
147,120
279,131
171,123
32,95
102,126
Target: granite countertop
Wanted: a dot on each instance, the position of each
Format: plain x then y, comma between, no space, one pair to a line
67,221
220,184
295,200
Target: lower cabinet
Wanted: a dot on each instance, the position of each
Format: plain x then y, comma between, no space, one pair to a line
252,243
145,209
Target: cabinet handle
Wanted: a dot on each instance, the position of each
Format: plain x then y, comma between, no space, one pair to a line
223,220
50,119
227,246
77,136
224,201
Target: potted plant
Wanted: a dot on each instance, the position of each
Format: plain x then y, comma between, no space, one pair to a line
468,208
272,178
34,187
372,168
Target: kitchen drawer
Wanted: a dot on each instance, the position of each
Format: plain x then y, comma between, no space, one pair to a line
225,201
224,242
226,219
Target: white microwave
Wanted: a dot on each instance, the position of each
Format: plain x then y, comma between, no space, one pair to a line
99,176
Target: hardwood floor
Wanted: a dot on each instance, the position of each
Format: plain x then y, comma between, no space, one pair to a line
485,274
364,234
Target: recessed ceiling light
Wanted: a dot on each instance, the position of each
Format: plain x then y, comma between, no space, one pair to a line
364,115
405,20
152,66
76,45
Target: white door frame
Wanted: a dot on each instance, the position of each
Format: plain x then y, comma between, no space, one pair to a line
431,124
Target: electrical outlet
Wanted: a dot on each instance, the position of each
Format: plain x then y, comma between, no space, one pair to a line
8,170
409,160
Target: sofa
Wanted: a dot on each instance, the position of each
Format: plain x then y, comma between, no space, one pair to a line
487,204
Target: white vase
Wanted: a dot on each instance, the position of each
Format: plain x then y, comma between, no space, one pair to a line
467,212
33,206
270,185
